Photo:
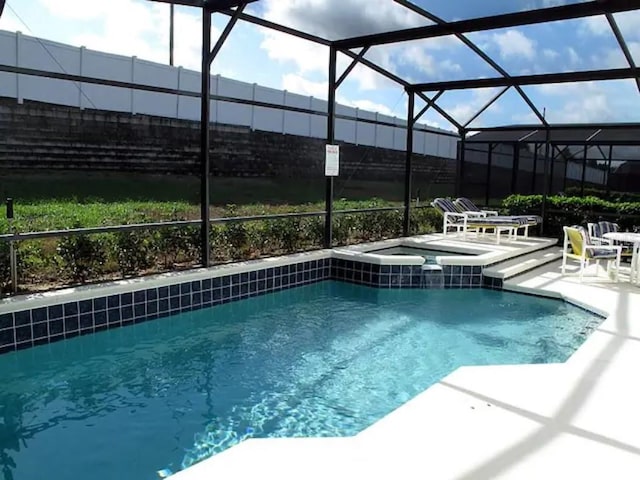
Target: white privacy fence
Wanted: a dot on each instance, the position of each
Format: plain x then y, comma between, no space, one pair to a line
19,50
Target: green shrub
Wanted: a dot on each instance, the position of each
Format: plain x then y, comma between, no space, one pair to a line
237,240
5,266
314,231
88,258
600,193
381,225
562,211
81,257
344,226
32,260
425,220
191,240
133,252
283,235
173,245
217,243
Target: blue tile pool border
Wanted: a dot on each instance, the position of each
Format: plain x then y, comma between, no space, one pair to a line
407,276
46,324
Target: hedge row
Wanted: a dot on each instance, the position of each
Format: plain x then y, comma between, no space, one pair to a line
72,260
603,194
563,210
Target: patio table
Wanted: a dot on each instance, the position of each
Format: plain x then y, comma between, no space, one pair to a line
633,238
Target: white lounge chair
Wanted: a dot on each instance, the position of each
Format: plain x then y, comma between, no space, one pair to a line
464,205
475,222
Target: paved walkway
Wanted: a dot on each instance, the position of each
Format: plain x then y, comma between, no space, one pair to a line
580,419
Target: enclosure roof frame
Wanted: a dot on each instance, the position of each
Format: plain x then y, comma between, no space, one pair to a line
441,28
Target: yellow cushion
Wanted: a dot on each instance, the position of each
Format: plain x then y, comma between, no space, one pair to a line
576,240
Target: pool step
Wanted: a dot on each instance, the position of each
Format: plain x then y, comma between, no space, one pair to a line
525,263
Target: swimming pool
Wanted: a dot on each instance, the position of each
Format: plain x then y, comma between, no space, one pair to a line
327,359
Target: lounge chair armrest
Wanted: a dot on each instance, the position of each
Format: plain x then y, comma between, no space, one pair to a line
602,241
491,212
474,214
615,248
455,214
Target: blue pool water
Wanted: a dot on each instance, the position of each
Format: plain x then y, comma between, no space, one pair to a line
324,360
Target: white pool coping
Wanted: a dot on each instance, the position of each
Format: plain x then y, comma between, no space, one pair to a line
579,419
490,253
475,251
84,292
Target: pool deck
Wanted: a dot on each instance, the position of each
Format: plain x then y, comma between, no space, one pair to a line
579,419
474,250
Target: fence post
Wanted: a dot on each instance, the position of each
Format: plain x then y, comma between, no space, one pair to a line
284,113
133,80
80,85
310,117
178,96
216,111
13,259
253,107
18,49
356,137
375,131
425,144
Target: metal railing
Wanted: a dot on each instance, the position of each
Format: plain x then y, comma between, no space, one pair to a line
15,237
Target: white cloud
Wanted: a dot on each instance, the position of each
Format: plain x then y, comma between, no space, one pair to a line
340,20
463,111
419,58
614,57
297,84
368,105
590,108
596,26
550,53
634,47
514,43
628,22
587,102
143,31
79,9
561,89
573,57
10,23
307,57
347,18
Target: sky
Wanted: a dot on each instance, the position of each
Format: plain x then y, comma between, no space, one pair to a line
257,55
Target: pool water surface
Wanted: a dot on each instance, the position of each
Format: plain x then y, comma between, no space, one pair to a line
328,359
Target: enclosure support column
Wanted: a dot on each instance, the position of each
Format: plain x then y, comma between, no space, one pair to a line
564,178
460,162
487,192
204,137
609,169
331,124
407,168
545,183
584,171
171,34
515,167
535,169
552,163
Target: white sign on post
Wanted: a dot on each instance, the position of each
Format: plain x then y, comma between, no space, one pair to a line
332,161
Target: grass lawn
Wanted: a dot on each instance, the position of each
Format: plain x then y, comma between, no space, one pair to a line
116,187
